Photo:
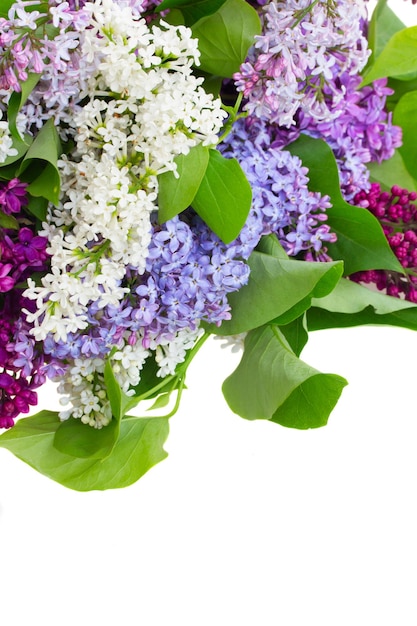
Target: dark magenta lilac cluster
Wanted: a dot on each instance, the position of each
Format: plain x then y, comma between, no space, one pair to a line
397,212
22,253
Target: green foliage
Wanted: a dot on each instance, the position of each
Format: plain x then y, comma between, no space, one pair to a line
82,441
8,221
271,383
225,37
350,304
383,25
4,7
44,150
405,115
398,59
296,334
192,10
278,289
176,193
361,243
224,197
138,448
392,172
17,100
38,206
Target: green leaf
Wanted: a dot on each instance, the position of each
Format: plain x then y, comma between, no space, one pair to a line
383,25
225,37
398,59
47,184
271,383
5,6
405,115
38,207
45,147
18,99
279,290
296,334
161,401
400,88
176,194
392,172
139,447
120,402
81,440
351,304
361,242
192,10
8,221
224,197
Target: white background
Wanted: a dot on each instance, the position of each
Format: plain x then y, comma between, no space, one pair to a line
245,523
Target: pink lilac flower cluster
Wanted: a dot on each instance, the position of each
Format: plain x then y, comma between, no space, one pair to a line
22,253
29,44
397,212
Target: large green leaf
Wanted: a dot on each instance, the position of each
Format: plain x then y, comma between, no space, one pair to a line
405,115
392,172
278,289
225,37
177,192
383,24
271,383
224,197
351,304
81,440
398,59
296,334
192,10
139,447
361,242
46,147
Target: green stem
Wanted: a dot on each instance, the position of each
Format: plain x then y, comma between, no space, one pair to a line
234,115
179,376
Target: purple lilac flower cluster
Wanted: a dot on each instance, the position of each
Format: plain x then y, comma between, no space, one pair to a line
397,212
362,133
22,253
359,130
304,47
189,272
282,203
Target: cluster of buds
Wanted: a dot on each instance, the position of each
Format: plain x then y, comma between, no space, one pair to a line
397,214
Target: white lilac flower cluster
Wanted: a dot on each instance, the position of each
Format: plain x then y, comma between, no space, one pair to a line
293,65
141,107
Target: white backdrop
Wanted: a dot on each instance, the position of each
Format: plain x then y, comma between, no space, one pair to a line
245,523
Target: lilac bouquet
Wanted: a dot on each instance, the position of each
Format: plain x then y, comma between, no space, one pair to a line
174,170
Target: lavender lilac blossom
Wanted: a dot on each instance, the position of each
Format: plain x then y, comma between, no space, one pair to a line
282,203
304,47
